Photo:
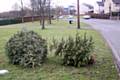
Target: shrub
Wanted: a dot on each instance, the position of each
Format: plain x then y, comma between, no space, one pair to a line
27,49
53,44
100,16
9,21
76,51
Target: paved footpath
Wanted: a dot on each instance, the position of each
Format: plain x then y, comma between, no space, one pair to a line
110,29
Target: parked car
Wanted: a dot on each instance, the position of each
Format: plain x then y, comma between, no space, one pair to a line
61,17
86,16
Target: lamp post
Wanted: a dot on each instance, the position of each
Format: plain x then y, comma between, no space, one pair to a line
78,15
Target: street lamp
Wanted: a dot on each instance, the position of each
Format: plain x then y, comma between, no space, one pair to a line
78,15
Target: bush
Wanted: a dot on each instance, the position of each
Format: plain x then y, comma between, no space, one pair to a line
76,51
26,48
100,16
9,21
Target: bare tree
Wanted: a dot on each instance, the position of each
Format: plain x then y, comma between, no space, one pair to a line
40,5
22,11
34,8
16,8
58,11
49,7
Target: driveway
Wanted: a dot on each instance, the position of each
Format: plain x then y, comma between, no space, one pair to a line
110,29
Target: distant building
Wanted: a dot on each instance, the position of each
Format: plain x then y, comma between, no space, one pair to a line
90,8
72,10
101,7
66,11
86,8
113,4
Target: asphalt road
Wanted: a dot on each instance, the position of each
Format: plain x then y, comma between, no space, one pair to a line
110,29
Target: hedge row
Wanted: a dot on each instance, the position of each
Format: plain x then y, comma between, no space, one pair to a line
105,16
100,16
10,21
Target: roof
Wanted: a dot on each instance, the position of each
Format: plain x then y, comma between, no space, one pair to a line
100,3
116,1
103,0
88,5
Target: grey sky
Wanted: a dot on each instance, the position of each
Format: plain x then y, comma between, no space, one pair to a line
6,5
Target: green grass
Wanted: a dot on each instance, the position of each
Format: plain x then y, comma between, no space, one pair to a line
55,24
104,69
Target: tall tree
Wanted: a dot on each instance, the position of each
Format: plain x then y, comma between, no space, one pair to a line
16,8
59,11
40,5
49,9
34,8
22,11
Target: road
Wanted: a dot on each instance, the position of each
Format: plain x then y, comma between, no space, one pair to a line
110,29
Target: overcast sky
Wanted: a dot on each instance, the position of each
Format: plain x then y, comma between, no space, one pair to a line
6,5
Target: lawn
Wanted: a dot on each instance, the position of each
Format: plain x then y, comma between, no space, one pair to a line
104,69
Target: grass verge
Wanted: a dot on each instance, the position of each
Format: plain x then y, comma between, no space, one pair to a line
104,69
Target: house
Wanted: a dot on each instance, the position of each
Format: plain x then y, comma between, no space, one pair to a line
86,8
90,8
70,10
101,7
66,11
111,6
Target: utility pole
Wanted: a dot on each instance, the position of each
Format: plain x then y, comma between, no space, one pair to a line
78,14
110,12
22,13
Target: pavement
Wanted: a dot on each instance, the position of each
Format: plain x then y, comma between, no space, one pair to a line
110,29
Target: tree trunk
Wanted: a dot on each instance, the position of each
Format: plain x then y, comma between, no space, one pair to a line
22,19
50,22
32,18
32,15
43,24
49,12
43,18
22,11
